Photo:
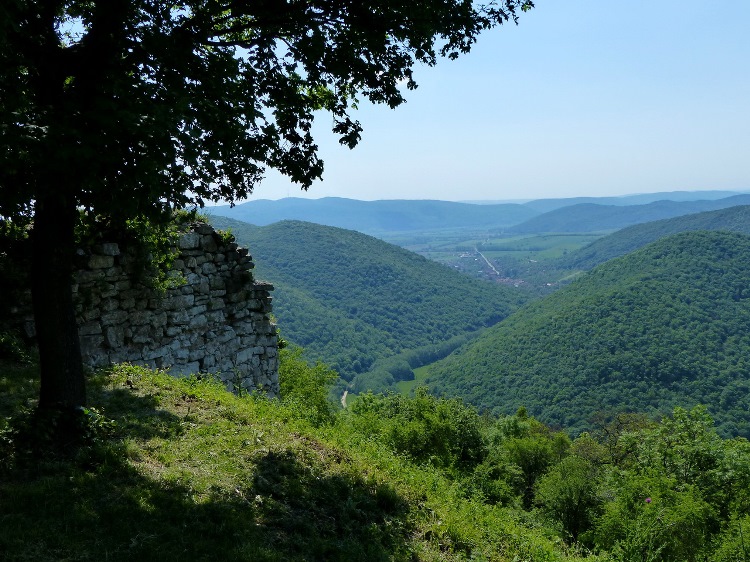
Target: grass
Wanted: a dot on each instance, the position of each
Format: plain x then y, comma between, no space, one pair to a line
191,472
407,387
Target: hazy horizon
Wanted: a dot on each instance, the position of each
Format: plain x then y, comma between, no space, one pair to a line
255,197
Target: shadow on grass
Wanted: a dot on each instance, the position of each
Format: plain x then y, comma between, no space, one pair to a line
139,416
294,504
287,513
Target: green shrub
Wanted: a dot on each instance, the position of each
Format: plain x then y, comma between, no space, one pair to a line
568,494
305,388
444,432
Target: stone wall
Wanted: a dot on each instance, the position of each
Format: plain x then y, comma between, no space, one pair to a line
218,321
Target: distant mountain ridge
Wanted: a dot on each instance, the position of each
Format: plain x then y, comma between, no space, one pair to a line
377,216
546,205
663,326
383,216
589,217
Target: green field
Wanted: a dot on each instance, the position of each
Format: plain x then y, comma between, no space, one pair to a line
527,261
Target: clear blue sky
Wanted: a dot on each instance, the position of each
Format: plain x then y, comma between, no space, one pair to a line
582,98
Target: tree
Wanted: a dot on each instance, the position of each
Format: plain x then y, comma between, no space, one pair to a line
568,493
129,108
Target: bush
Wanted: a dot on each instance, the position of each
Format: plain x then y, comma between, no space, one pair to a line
425,428
305,388
568,494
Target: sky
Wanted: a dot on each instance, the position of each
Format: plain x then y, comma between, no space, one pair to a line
582,98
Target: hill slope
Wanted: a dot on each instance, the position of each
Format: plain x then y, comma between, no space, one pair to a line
733,219
188,471
666,325
589,217
350,299
378,216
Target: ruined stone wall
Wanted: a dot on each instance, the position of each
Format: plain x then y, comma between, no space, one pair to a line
217,322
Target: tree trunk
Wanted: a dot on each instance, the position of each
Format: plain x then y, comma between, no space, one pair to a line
62,380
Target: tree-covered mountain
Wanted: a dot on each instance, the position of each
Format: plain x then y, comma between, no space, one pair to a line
378,216
588,217
350,299
665,326
733,219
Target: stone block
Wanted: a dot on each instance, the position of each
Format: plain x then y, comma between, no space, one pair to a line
114,336
216,304
179,318
189,241
196,310
208,243
200,321
90,343
178,302
216,317
143,334
159,320
107,290
114,317
100,262
109,249
85,276
243,356
90,328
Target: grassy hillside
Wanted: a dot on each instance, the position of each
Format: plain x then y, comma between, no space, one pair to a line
378,216
667,325
182,470
350,299
589,217
733,219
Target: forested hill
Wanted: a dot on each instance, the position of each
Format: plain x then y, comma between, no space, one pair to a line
589,217
350,299
734,219
666,325
378,216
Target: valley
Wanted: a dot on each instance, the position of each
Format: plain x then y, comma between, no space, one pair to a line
550,304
